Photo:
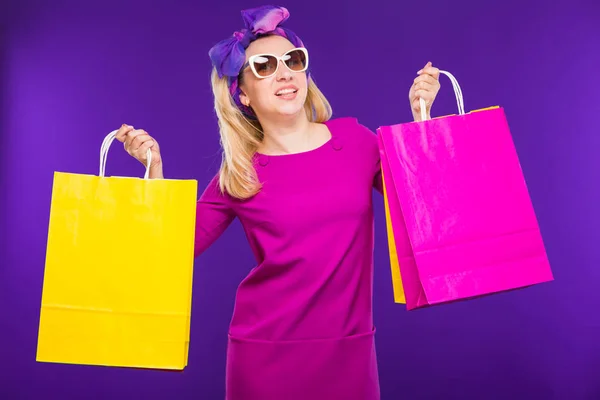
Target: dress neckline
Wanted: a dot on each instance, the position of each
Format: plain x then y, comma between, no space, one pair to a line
332,142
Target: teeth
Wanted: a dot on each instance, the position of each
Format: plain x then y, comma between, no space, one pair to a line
286,91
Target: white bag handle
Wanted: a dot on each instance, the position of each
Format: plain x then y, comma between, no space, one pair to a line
457,93
104,151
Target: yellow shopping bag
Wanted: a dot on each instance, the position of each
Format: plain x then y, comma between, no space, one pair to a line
118,275
397,287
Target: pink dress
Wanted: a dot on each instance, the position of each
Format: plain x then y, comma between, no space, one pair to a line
302,327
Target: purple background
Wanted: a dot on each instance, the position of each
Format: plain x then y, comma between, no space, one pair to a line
70,72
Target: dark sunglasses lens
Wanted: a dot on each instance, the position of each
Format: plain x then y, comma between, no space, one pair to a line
265,65
296,60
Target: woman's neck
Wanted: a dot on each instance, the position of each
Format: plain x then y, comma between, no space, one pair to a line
288,136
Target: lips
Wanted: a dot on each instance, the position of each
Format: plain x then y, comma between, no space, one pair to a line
286,90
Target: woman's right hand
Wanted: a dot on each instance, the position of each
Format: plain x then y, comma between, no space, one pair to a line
136,143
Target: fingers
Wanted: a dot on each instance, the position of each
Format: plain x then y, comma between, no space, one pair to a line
133,140
429,70
122,132
141,152
425,85
428,65
137,144
139,140
426,95
432,71
146,144
426,78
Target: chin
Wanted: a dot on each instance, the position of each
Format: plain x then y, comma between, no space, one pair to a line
290,109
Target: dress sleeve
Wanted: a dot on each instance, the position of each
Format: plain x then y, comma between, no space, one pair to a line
373,156
214,214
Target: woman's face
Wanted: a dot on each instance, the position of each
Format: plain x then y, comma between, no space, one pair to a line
281,94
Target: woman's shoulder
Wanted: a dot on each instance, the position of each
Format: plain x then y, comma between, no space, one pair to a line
352,129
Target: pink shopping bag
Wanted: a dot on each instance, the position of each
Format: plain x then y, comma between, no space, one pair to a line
458,207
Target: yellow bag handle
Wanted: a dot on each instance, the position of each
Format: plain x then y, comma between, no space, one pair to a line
104,151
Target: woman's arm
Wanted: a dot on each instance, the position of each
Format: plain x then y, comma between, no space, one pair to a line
213,215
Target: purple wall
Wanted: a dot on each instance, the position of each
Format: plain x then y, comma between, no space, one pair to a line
4,113
71,72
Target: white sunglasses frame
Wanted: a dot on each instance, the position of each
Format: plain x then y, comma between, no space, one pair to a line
279,59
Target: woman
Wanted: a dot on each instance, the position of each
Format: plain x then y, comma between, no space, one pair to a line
301,185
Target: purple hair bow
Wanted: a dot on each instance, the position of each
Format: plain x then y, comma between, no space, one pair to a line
229,55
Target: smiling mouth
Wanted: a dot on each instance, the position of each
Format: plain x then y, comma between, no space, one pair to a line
286,92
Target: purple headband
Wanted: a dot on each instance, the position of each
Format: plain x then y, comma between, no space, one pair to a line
229,55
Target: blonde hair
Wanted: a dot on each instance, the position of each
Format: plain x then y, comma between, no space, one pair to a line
241,137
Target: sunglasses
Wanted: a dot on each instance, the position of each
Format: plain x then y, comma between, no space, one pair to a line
266,65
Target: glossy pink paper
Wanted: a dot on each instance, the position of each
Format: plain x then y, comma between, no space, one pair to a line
463,220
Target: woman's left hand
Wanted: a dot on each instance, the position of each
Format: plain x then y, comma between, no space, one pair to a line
426,86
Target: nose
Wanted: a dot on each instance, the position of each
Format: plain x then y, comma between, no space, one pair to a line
283,72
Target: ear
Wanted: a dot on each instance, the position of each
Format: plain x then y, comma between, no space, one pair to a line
244,99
